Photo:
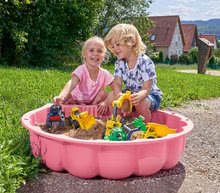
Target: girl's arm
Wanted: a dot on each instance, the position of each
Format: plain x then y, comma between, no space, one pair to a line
139,96
66,91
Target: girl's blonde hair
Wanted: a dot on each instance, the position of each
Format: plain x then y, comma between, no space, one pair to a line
125,34
85,45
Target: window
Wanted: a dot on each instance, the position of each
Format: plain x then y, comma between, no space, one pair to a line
153,37
176,38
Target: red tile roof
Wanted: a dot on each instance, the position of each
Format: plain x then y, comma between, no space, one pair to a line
211,38
189,32
164,29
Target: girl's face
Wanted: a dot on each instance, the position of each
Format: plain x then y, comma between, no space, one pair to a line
122,51
94,53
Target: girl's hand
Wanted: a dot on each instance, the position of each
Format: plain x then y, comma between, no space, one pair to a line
57,100
102,108
135,99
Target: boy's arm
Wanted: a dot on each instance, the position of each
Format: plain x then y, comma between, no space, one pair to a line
142,94
116,86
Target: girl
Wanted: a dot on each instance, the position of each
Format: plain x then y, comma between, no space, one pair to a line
135,68
89,79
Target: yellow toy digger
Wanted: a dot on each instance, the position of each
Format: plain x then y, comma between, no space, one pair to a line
84,120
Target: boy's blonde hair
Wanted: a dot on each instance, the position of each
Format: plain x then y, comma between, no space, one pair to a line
85,45
125,34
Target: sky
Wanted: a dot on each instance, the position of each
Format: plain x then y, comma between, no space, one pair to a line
186,9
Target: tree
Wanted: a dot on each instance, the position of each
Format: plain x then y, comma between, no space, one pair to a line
12,34
40,32
121,11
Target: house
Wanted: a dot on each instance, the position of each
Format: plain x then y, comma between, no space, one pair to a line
167,36
190,34
211,38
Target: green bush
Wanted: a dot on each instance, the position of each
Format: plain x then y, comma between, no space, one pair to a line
173,59
184,59
14,169
193,55
161,57
42,33
155,56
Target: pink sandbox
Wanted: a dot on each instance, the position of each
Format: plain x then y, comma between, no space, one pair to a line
108,159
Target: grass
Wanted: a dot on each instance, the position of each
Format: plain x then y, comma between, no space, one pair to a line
24,89
179,87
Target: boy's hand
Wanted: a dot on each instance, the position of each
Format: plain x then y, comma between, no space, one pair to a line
57,100
135,99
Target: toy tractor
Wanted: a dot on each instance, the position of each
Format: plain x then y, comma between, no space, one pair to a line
55,117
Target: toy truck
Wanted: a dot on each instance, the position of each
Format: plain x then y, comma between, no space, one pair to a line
152,130
84,120
55,117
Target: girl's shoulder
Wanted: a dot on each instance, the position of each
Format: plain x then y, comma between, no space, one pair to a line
81,69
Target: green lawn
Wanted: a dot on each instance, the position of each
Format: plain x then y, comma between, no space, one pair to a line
24,89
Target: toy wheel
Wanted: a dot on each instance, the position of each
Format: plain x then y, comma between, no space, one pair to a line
75,124
151,137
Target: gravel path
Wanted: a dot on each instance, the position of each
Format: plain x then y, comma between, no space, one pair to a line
209,72
197,172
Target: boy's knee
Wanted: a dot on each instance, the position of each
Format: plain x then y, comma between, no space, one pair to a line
144,104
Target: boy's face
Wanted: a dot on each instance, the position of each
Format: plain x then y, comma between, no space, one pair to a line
94,53
122,51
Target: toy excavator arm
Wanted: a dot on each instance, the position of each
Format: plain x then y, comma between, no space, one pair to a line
115,120
119,102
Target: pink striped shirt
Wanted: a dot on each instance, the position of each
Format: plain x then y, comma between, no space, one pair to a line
87,89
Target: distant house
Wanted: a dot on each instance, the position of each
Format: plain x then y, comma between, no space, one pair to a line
211,38
190,35
166,35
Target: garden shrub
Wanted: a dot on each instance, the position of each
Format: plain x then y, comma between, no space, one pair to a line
173,59
193,55
155,57
161,57
184,59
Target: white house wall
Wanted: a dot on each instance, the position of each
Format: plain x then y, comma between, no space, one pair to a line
176,46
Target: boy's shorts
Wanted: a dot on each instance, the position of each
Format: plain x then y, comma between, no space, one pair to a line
155,102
